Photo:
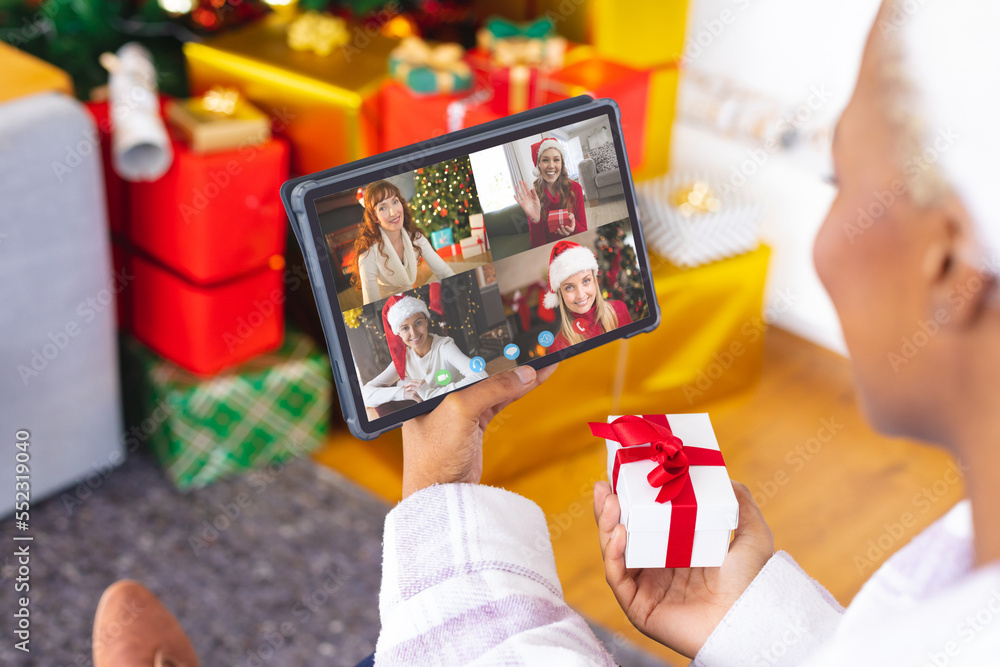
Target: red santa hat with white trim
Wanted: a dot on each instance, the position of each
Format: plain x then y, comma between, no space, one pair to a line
397,310
567,258
538,148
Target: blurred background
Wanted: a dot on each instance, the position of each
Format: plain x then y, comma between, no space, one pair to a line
161,361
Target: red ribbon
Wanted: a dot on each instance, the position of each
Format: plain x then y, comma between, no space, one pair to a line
649,438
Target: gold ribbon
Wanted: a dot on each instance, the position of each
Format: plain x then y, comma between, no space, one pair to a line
444,60
221,100
318,33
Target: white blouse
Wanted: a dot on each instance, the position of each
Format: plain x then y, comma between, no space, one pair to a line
443,355
383,277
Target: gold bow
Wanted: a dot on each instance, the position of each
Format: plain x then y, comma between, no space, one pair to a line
694,199
318,33
444,60
221,100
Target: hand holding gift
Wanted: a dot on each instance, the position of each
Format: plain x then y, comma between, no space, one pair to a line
677,606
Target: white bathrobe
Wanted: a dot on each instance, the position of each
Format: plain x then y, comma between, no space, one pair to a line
383,277
468,577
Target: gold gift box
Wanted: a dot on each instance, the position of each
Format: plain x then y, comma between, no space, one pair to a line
206,130
325,105
22,74
640,33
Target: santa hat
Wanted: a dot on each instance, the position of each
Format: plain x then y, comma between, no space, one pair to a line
567,258
541,147
397,310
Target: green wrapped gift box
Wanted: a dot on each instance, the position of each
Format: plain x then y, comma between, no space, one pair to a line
267,410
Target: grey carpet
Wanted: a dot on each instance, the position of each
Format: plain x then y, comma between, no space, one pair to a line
292,580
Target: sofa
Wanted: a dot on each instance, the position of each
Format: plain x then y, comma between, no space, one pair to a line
599,184
507,230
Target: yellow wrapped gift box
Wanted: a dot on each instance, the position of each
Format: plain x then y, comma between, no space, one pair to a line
325,104
22,74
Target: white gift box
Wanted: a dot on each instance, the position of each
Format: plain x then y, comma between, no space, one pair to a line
476,221
701,238
647,522
473,245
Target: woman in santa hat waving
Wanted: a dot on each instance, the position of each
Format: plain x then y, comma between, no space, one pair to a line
418,357
554,193
582,308
389,246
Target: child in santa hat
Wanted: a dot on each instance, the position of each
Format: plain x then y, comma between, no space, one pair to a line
389,246
583,311
553,190
418,356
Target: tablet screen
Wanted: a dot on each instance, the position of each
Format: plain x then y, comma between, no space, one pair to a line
454,271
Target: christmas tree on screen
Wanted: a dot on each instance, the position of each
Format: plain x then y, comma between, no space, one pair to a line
445,197
619,269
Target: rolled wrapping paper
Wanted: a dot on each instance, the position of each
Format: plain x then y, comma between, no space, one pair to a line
140,147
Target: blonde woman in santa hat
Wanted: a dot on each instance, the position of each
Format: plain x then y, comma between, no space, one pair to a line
389,246
553,190
417,357
583,310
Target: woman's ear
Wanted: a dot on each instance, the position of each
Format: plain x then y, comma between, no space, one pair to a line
954,267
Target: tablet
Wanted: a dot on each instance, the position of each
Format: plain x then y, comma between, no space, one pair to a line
439,264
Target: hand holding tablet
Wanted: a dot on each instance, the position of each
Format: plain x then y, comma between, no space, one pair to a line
422,291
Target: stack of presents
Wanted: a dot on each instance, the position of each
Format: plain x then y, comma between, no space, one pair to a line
202,249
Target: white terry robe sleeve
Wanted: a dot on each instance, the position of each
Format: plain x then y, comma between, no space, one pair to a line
383,388
782,618
368,268
438,266
468,577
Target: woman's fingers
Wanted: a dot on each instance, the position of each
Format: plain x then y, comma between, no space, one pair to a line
622,584
607,513
751,530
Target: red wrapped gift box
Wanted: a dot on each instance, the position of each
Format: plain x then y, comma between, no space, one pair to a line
206,328
123,299
627,86
409,117
558,218
213,216
115,189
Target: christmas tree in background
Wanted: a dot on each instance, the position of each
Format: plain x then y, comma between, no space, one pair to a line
445,197
619,267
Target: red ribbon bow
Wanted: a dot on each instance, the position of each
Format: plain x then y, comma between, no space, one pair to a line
649,438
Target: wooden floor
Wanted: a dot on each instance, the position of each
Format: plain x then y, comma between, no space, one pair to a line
833,492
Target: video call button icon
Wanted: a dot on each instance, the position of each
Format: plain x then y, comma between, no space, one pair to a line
443,377
546,338
579,325
511,351
477,364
